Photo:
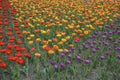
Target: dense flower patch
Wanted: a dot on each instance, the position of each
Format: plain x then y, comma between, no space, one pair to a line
11,45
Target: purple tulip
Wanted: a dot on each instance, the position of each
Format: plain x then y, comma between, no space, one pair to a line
105,43
98,48
62,64
102,57
69,55
94,50
118,32
110,38
108,53
89,56
55,67
110,48
73,49
103,36
119,41
88,41
68,62
83,44
92,46
62,54
118,56
63,51
107,26
110,33
118,48
94,42
100,42
105,33
51,62
86,47
78,58
115,43
87,61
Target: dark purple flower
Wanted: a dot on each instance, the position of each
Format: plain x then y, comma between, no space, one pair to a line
110,38
110,48
119,41
102,57
105,43
73,49
110,33
63,51
86,47
118,48
88,41
118,32
98,48
83,44
87,61
115,43
55,67
108,53
51,62
118,56
62,54
91,37
68,62
94,50
92,46
105,33
107,26
89,56
94,42
69,55
95,33
103,36
100,42
62,64
78,58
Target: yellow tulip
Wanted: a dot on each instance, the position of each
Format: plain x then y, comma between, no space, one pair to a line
64,40
58,35
60,43
32,35
37,54
38,39
30,42
68,37
51,52
28,38
86,32
60,50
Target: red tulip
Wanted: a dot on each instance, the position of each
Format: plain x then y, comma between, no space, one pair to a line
2,43
10,46
9,33
20,61
27,55
32,49
23,48
19,42
12,58
18,54
8,52
1,36
3,65
9,28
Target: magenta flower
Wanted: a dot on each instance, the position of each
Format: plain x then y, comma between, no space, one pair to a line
87,61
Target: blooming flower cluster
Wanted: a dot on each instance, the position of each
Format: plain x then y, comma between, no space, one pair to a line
11,44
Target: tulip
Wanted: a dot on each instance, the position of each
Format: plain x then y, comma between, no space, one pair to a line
37,54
